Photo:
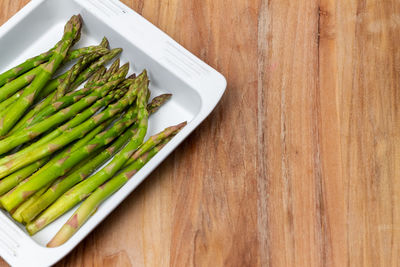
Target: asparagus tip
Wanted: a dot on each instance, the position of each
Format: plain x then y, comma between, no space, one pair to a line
181,125
75,21
132,76
116,50
167,96
104,42
125,66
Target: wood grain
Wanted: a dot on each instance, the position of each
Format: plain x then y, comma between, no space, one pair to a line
299,164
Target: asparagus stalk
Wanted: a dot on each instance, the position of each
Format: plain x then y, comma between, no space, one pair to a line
94,67
10,88
77,120
104,42
81,190
19,82
155,140
42,110
50,109
53,84
127,82
31,91
17,213
102,79
72,74
90,205
48,91
16,161
95,77
74,96
12,180
60,167
84,188
75,70
63,87
157,102
30,133
111,70
63,184
79,144
85,51
29,64
13,163
6,103
15,178
33,62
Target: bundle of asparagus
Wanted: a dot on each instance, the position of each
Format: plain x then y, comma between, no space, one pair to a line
55,135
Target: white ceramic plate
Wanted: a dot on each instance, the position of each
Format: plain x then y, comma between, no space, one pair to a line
196,89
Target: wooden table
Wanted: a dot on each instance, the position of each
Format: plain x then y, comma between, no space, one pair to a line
299,165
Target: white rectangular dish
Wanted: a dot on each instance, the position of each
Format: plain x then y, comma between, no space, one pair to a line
196,89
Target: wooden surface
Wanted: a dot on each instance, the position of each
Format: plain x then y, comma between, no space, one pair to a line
299,165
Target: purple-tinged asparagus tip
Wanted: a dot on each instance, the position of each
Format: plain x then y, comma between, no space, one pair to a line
132,76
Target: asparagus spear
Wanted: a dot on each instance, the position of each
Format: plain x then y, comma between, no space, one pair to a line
127,82
10,88
16,84
77,120
16,213
11,181
15,178
157,102
64,128
74,96
111,70
31,91
95,77
90,205
30,133
24,67
39,111
53,84
50,109
48,91
60,167
23,121
104,42
84,188
72,74
75,70
13,163
6,103
33,62
94,67
100,72
103,78
155,140
63,87
85,51
63,184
